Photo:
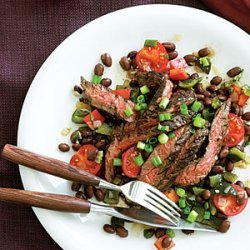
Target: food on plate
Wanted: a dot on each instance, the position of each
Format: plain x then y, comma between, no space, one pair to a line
169,126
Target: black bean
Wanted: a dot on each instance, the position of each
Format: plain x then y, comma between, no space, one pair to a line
91,155
206,194
224,226
234,71
207,94
99,194
109,229
221,215
211,88
166,242
132,54
133,63
203,52
125,64
200,97
199,89
190,59
75,186
159,232
89,191
169,46
247,189
207,101
80,195
217,169
78,89
241,111
224,161
64,147
101,144
121,231
216,80
86,132
76,146
240,183
222,97
106,59
235,108
172,55
194,76
246,116
247,129
86,140
187,232
106,82
99,69
224,152
229,166
75,136
133,83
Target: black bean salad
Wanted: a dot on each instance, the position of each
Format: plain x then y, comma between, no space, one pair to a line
183,133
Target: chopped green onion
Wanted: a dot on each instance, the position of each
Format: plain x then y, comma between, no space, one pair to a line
164,102
197,190
230,177
171,135
215,180
182,202
163,138
204,61
117,162
206,215
144,106
180,192
148,148
196,106
128,112
170,233
184,109
141,145
148,233
149,42
138,107
152,140
205,64
186,210
208,114
216,103
199,122
206,205
96,79
156,161
163,128
140,99
236,154
99,157
138,160
192,216
164,116
144,89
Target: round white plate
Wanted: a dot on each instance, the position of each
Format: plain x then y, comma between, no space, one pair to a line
49,104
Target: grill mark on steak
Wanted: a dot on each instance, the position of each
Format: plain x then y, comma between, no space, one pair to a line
152,79
166,152
199,169
186,154
103,98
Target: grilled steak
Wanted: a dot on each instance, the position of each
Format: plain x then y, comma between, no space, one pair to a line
185,155
152,79
103,98
179,97
167,152
199,169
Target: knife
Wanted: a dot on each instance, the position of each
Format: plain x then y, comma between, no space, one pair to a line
66,203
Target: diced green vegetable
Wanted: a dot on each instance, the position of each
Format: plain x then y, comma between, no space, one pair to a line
216,103
163,103
77,116
184,109
117,221
206,205
215,180
144,89
204,61
104,129
204,64
99,157
134,94
199,122
96,79
148,233
111,197
230,177
226,188
236,155
208,114
156,161
200,211
163,138
148,148
206,215
182,202
152,140
186,210
117,162
171,135
180,192
165,116
128,112
140,99
187,84
163,128
197,190
196,106
212,207
144,106
138,107
192,216
170,233
141,145
138,160
149,42
246,90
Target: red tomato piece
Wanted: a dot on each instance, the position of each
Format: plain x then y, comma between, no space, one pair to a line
125,93
152,58
129,167
158,243
94,119
171,194
178,63
178,74
237,89
227,203
243,100
235,132
80,159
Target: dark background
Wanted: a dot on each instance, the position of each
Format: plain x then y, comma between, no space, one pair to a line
29,31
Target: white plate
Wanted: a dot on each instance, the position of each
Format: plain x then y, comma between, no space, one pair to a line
49,105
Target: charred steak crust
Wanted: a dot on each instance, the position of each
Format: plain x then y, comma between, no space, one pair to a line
199,169
152,79
103,98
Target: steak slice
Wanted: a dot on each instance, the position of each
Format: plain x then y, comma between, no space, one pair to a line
185,155
152,174
199,169
152,79
103,98
180,97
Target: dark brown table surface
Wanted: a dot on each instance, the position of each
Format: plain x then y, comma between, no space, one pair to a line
29,31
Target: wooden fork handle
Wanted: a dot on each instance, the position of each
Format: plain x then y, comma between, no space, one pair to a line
63,203
48,165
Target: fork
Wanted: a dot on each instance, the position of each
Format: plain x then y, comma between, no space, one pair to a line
136,191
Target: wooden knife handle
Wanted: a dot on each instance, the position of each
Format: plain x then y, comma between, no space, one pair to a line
48,165
63,203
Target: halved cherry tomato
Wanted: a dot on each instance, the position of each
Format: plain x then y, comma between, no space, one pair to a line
152,58
129,167
227,203
158,243
235,132
243,100
125,93
178,74
178,63
80,159
171,194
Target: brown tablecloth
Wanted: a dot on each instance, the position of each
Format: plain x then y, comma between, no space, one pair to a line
29,31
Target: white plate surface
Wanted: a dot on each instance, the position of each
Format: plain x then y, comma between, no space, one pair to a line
49,104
